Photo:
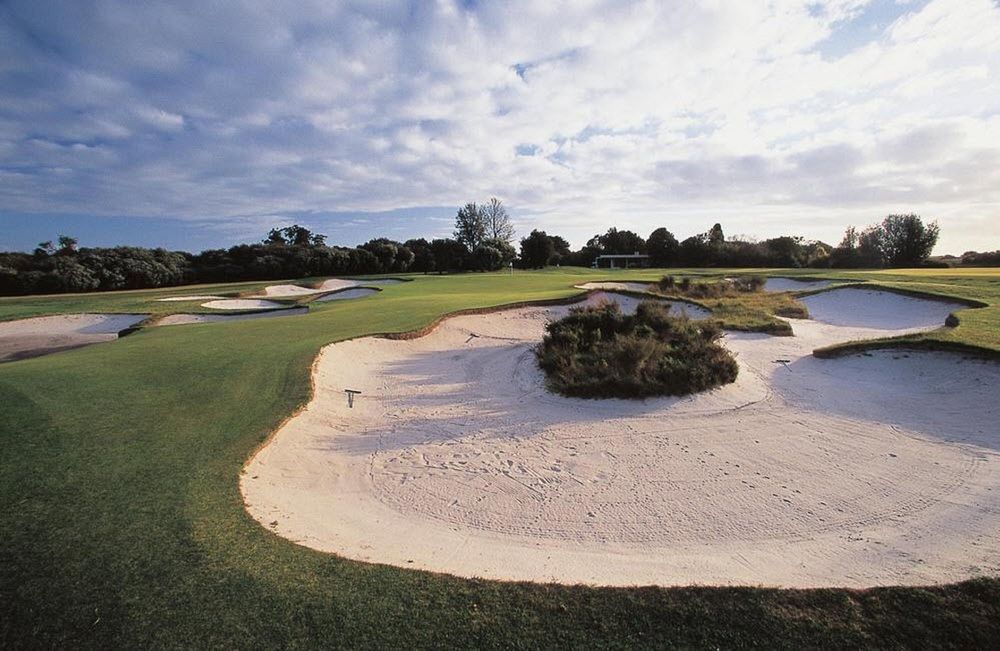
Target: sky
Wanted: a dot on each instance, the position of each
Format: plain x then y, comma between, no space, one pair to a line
194,125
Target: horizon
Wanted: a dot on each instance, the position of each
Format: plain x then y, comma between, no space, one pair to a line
203,127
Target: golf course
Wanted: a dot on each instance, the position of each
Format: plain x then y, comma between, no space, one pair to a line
125,524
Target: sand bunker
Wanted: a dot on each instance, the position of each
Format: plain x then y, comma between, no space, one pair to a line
857,471
241,304
49,334
868,308
620,286
347,294
628,304
188,298
182,319
793,285
329,285
288,291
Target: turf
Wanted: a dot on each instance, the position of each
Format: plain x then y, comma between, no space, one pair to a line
123,524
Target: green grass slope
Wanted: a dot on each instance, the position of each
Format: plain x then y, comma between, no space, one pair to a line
123,524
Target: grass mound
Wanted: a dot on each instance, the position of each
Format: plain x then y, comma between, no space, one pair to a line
598,352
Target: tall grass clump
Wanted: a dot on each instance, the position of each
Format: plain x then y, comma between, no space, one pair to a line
598,352
727,287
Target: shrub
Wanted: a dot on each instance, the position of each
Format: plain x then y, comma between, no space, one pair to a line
598,352
727,287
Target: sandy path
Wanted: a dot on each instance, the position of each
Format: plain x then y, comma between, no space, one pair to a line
860,471
49,334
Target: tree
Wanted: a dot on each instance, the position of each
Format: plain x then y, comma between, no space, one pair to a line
423,257
44,249
716,238
906,241
497,221
536,249
507,252
695,251
620,242
449,254
294,235
67,245
487,258
663,248
470,229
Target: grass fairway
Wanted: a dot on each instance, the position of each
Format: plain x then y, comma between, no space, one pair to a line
123,524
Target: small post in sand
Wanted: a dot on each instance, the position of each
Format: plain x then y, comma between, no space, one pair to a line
350,396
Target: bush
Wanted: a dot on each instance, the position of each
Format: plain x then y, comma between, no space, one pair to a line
598,352
728,287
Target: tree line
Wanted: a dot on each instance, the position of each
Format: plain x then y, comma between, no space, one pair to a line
483,240
897,241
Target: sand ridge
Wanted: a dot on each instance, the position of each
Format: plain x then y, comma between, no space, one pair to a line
804,472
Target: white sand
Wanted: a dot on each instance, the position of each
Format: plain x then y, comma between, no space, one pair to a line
347,294
188,298
858,471
620,286
49,334
793,285
331,284
182,319
286,291
241,304
868,308
628,304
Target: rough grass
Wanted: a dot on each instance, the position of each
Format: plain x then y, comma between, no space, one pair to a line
598,352
123,524
736,303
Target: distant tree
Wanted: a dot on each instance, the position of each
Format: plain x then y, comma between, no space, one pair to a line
536,249
67,245
905,240
470,229
486,258
384,250
506,250
663,248
44,249
870,247
716,238
695,251
496,221
449,255
620,242
294,235
423,257
785,251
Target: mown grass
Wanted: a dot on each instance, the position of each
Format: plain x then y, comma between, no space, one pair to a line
124,526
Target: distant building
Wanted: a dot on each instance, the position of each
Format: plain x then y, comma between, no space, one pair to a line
622,260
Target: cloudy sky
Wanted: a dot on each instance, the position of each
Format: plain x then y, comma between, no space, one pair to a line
205,123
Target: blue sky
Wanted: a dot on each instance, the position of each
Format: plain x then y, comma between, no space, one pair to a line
194,125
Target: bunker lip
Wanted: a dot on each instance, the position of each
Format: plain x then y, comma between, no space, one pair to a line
44,335
456,460
185,319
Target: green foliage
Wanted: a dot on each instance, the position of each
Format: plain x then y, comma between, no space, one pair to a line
598,352
663,248
537,249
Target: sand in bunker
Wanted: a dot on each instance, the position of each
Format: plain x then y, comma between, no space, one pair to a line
48,334
850,472
241,304
792,284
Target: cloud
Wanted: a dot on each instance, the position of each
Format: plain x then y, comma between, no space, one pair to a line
784,116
